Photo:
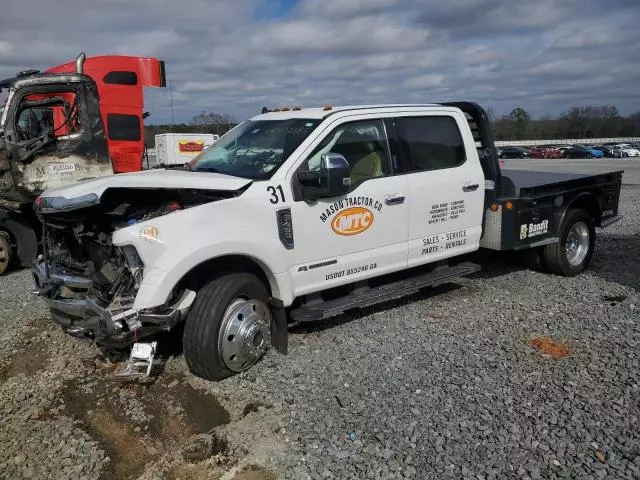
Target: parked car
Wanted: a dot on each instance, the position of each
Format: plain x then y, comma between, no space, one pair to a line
514,152
592,152
581,152
606,150
546,152
480,151
625,150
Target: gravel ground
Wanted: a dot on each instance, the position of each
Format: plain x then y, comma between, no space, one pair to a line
445,384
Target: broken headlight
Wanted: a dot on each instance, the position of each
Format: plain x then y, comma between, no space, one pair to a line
134,262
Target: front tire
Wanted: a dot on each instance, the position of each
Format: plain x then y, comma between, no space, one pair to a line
228,328
6,253
572,254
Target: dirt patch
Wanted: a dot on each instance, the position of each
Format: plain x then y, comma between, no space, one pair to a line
126,450
31,356
199,471
135,424
550,348
28,360
254,472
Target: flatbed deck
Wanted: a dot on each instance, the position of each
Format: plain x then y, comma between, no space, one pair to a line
517,183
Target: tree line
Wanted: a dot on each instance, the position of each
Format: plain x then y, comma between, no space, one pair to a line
589,121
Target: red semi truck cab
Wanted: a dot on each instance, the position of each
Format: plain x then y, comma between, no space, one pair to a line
121,80
76,121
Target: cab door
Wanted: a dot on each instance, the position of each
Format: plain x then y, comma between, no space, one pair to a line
361,234
445,185
54,137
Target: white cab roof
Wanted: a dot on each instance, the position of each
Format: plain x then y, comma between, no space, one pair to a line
320,113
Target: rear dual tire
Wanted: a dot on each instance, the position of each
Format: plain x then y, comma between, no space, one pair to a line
573,252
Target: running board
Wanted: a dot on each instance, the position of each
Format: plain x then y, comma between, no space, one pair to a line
370,296
610,221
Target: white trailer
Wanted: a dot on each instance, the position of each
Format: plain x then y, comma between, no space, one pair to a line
180,148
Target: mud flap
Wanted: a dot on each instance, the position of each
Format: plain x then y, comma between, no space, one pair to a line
279,326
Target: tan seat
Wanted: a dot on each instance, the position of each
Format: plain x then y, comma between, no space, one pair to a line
368,166
366,157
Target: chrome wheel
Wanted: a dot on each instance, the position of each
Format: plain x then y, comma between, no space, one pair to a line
5,253
577,244
245,333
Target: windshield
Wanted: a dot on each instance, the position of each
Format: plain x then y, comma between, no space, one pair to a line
254,149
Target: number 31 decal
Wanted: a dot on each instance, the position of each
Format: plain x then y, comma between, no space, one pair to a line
277,194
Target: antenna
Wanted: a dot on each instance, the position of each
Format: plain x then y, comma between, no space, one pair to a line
173,123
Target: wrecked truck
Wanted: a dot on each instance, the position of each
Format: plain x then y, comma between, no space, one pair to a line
300,215
76,121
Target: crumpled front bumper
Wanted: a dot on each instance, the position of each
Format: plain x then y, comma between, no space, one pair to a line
88,317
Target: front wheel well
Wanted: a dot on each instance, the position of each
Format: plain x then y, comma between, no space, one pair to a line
203,273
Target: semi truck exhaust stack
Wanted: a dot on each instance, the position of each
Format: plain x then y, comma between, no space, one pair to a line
80,62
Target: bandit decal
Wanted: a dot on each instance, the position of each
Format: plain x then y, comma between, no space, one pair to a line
534,229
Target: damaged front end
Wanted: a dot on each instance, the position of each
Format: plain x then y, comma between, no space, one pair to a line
89,284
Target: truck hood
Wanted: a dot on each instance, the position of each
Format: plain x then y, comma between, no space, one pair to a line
150,179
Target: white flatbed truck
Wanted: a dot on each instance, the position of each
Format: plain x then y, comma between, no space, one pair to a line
298,216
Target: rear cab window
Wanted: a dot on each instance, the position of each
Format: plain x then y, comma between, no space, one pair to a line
429,143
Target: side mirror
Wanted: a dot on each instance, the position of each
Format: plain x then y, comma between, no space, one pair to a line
332,180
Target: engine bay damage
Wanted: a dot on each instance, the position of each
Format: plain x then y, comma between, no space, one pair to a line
89,284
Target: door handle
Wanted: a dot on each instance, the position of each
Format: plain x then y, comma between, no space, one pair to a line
470,188
395,199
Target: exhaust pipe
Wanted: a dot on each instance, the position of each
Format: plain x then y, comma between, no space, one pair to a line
80,62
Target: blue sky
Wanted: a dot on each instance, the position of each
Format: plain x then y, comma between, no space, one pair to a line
274,9
238,56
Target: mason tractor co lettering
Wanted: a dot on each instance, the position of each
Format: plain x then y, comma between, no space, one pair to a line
351,215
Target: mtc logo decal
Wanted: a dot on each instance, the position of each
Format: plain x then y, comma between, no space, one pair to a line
150,234
352,221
